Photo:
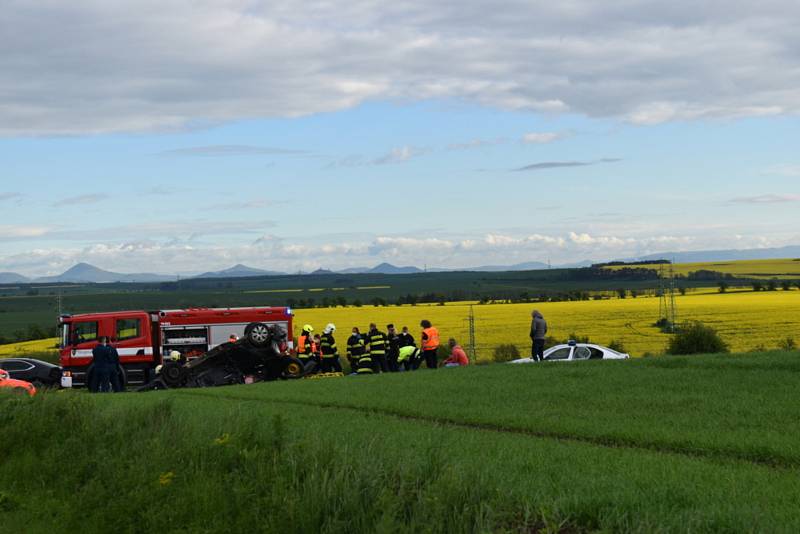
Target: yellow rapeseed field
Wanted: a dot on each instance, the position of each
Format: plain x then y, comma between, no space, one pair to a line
28,347
764,269
745,320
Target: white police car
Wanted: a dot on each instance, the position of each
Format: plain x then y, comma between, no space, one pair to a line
573,351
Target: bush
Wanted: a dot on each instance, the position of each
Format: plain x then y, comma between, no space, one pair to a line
578,339
787,344
696,338
617,345
505,353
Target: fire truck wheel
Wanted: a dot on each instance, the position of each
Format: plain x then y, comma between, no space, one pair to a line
258,334
293,368
172,374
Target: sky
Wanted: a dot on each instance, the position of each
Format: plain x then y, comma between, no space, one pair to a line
182,137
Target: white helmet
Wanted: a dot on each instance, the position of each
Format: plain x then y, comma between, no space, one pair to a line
174,355
330,328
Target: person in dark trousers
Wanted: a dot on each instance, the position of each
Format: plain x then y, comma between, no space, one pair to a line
430,345
330,354
538,334
394,348
376,346
105,368
406,339
355,349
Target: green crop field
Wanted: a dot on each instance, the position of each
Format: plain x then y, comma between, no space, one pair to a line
669,444
783,269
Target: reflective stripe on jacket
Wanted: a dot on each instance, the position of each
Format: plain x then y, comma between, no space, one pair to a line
328,346
355,346
377,342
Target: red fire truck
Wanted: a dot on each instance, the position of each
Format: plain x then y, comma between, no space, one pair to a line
142,338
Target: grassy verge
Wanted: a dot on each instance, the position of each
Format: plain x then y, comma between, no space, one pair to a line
653,445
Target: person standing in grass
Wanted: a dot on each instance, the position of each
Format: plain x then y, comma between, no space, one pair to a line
105,368
355,349
330,353
406,339
393,350
458,358
430,344
538,334
376,346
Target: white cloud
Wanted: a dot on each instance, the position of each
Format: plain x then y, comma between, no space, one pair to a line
168,65
81,200
398,155
767,199
784,170
540,138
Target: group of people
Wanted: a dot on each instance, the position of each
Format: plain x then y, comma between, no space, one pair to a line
104,376
375,351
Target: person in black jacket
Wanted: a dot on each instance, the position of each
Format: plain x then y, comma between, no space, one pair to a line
329,351
376,346
394,348
105,368
355,349
406,339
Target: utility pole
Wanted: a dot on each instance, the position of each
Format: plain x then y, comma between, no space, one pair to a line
471,333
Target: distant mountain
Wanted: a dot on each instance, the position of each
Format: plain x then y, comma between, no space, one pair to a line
388,268
13,278
85,273
322,271
725,255
237,271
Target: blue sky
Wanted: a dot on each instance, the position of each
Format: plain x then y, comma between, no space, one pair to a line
408,137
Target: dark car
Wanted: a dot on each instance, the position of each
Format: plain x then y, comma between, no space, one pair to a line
36,372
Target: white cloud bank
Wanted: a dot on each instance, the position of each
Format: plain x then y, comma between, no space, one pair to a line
138,65
273,252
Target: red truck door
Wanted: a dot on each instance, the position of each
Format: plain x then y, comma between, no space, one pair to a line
132,338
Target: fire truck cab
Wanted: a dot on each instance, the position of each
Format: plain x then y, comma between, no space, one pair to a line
143,338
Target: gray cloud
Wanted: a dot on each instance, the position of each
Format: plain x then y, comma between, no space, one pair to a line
80,200
559,164
10,196
230,150
766,199
177,65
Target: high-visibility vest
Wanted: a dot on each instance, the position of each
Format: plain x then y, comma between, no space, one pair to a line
407,353
432,343
304,346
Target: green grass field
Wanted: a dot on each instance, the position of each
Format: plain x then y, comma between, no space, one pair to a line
670,444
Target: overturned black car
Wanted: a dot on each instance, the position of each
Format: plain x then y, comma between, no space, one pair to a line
258,356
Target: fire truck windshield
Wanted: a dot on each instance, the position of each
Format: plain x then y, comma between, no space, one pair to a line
64,335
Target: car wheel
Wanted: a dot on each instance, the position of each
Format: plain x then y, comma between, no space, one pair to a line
293,368
258,334
172,374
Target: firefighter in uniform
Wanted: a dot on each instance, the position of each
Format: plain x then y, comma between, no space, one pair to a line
330,354
377,343
355,349
395,342
305,349
430,345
